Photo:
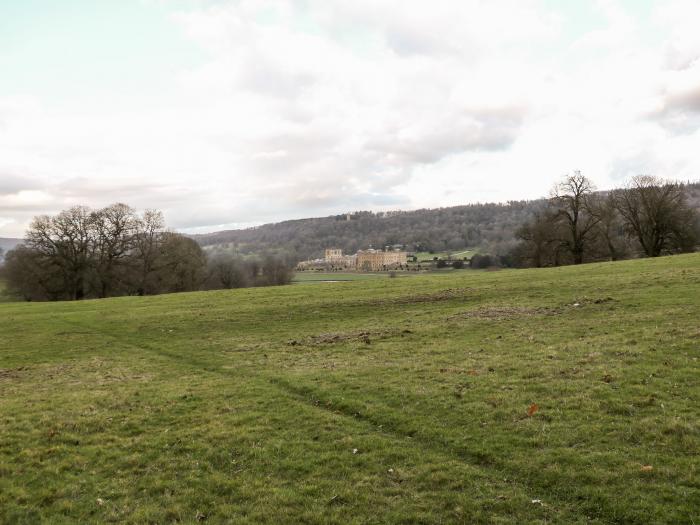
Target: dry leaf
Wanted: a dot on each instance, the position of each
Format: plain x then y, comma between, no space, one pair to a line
533,408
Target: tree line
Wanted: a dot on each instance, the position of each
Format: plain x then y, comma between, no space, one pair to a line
82,253
492,228
649,217
455,228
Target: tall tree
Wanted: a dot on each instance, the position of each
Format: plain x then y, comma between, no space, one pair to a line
115,229
149,232
609,229
571,200
67,239
656,213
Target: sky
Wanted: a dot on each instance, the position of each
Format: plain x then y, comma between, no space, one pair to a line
227,114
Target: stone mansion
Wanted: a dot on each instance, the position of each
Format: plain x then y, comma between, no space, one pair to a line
370,260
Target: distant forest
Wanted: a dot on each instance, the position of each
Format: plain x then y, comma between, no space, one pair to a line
488,226
491,228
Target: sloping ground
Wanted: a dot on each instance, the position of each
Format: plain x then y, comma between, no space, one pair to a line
565,395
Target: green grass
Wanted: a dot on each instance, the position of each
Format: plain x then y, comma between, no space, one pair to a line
380,401
315,277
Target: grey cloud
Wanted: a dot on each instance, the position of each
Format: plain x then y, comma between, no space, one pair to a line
329,204
624,168
680,111
647,161
474,131
290,202
91,189
96,193
315,168
310,202
685,101
11,184
201,218
282,151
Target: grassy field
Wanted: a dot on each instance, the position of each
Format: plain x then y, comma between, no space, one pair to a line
315,277
565,395
311,277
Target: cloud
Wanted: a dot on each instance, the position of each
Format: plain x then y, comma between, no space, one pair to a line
294,109
458,132
11,184
677,107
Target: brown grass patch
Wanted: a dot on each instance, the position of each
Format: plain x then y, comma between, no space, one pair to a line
503,313
330,338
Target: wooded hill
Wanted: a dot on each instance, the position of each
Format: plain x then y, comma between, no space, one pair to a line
490,227
441,229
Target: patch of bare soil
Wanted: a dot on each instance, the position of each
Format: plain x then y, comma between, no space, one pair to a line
442,295
95,371
585,301
503,313
12,373
364,336
470,372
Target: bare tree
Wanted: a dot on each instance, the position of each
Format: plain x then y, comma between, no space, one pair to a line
115,228
82,253
609,230
67,239
655,212
571,199
149,230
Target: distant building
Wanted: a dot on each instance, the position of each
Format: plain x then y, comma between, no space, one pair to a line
377,260
333,254
364,261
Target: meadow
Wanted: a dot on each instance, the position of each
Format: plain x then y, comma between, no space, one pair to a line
327,277
562,395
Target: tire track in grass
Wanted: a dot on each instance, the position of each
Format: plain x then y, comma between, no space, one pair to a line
307,395
485,463
480,463
300,395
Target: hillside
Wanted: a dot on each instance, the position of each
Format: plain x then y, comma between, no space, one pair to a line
490,227
442,229
565,395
